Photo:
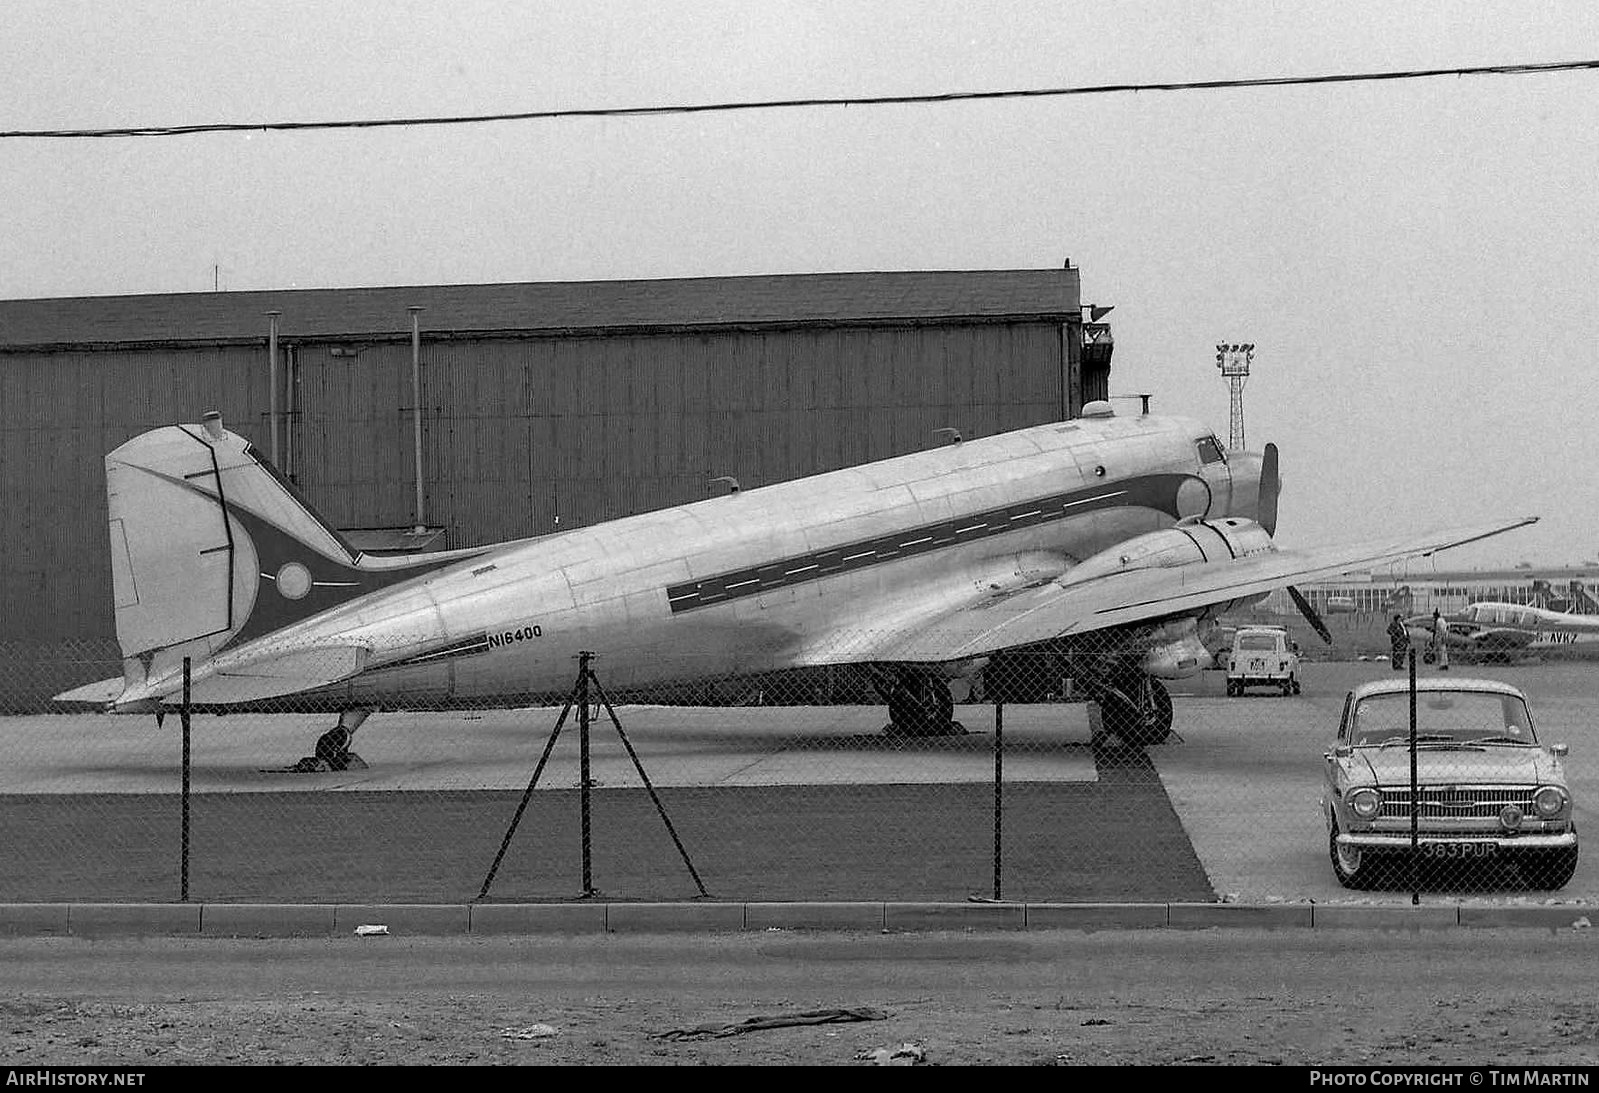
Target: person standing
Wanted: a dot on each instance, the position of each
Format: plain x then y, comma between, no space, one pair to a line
1440,639
1398,640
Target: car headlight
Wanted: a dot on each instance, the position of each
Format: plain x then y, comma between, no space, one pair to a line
1364,802
1549,801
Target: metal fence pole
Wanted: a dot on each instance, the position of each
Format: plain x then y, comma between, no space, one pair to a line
999,794
183,883
1415,798
583,769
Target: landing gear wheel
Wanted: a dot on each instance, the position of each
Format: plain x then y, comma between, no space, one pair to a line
1233,690
1293,685
333,747
920,704
1146,719
1350,864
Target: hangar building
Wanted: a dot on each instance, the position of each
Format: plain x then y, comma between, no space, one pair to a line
539,406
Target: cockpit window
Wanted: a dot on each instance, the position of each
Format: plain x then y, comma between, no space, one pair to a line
1210,450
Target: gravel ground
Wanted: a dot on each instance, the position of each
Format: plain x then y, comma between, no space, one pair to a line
1456,996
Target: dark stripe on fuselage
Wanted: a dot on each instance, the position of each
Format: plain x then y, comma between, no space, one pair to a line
464,647
1153,491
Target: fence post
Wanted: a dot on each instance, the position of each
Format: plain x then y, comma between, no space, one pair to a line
584,657
1415,799
183,884
999,793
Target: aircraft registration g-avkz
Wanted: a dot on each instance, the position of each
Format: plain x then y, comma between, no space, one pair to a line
1492,631
1111,541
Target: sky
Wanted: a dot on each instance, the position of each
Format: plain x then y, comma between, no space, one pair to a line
1411,259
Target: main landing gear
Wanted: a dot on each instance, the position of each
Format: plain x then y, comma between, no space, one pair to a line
1134,707
919,703
333,747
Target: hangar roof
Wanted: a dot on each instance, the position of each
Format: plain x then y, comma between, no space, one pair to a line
812,299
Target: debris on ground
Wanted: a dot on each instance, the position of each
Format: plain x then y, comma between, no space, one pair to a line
905,1055
371,931
753,1024
531,1032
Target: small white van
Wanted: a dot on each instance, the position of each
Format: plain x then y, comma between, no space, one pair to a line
1263,656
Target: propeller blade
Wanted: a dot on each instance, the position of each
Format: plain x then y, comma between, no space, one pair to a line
1270,484
1310,614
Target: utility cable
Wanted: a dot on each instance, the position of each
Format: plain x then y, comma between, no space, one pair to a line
787,104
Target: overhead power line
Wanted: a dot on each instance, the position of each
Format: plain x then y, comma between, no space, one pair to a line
789,104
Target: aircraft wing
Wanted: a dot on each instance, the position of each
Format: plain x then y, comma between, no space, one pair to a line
1034,611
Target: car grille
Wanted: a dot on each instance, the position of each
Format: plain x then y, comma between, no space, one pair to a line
1457,802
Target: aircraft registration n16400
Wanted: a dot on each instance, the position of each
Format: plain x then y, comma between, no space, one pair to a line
1112,541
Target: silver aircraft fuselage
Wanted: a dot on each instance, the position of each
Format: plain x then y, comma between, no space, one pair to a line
742,583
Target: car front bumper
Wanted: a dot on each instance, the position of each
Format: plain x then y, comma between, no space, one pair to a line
1505,844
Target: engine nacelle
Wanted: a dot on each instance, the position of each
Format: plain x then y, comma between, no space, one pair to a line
1188,543
1178,659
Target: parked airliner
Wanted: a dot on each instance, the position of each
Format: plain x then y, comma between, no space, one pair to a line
1113,541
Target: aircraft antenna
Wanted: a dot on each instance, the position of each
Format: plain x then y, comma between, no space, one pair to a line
1234,360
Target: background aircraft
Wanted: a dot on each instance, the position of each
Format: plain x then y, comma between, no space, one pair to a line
1507,631
1109,543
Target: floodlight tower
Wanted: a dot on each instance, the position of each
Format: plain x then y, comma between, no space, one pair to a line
1233,360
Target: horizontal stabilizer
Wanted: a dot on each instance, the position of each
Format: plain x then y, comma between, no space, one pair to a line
98,693
282,674
223,681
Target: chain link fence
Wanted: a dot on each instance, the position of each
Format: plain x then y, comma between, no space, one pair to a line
1292,772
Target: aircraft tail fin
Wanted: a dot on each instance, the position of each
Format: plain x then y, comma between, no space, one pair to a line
200,524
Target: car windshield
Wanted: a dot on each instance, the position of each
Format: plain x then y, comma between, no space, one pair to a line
1461,717
1258,641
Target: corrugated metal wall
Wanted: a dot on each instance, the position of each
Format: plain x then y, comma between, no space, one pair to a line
522,436
59,414
528,436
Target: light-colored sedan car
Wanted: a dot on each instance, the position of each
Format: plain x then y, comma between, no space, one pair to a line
1487,789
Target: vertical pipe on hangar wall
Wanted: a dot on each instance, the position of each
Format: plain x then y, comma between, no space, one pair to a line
416,410
272,382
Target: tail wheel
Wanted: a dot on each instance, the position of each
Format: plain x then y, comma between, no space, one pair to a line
333,747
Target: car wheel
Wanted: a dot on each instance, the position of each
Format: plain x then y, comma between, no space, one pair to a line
1551,869
1350,864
